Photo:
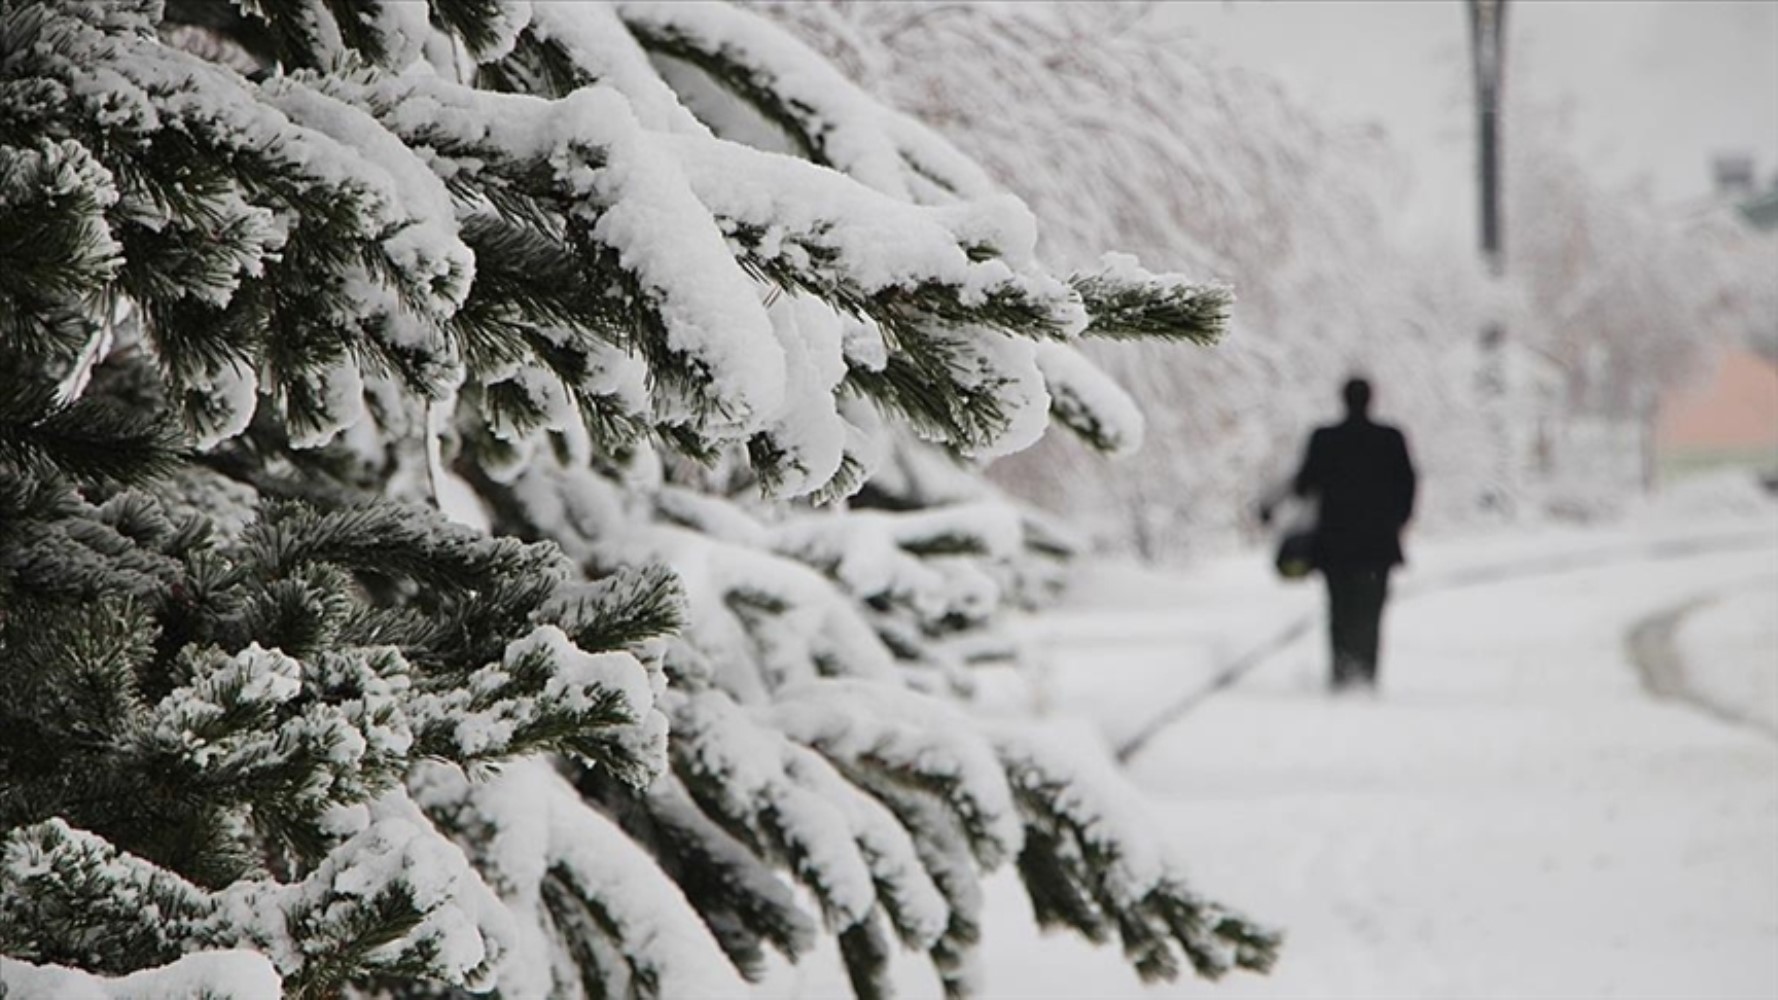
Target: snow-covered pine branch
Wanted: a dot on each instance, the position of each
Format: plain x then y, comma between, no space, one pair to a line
320,275
130,726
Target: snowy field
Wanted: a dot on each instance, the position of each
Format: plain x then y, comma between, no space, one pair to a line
1728,647
1514,815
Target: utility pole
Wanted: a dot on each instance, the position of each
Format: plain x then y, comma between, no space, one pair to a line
1487,40
1487,36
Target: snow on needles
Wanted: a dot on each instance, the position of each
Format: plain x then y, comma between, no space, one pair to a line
877,241
884,149
537,831
425,243
664,234
455,754
232,974
640,204
920,737
596,40
1086,397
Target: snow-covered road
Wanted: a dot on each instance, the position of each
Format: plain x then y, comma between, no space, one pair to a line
1516,815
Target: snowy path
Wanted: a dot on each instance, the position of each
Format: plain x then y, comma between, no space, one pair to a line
1660,659
1515,816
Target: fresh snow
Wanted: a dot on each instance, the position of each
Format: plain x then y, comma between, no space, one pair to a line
426,246
220,975
1084,394
885,149
1513,815
594,38
1727,648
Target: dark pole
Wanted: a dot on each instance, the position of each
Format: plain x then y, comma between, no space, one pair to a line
1487,21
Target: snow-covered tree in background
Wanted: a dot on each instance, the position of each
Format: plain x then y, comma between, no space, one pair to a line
1154,142
424,560
1624,299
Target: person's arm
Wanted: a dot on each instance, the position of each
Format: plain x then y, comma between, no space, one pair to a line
1409,482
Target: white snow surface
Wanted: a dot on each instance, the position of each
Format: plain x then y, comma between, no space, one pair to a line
816,621
885,846
868,552
885,149
232,392
657,928
667,238
594,38
857,719
339,391
1727,648
1513,815
220,975
1079,387
425,244
538,822
882,242
809,429
1012,362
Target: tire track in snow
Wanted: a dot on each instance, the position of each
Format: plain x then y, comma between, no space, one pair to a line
1234,670
1652,646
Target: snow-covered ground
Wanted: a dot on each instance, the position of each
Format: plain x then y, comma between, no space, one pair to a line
1729,646
1514,815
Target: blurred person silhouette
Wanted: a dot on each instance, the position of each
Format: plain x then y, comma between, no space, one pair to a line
1362,482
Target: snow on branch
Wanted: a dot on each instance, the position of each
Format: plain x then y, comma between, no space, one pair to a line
568,46
909,559
1090,863
607,181
915,739
764,620
830,119
265,203
1089,402
1127,301
569,873
743,773
480,255
389,899
744,901
231,974
808,227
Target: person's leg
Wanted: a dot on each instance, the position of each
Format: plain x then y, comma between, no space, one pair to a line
1339,628
1370,592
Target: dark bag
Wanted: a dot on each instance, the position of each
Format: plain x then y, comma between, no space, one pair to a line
1296,554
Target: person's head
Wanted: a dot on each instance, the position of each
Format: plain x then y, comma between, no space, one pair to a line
1357,394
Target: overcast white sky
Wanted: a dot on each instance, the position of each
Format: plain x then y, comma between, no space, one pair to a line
1653,88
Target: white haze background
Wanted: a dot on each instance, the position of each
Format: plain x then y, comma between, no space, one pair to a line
1651,90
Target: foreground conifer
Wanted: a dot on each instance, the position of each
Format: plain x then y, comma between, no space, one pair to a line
426,558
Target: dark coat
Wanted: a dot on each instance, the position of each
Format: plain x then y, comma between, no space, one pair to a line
1363,480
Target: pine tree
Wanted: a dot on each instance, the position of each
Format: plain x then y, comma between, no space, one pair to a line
426,560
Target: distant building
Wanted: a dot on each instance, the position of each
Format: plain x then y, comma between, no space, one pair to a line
1728,418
